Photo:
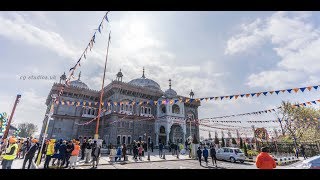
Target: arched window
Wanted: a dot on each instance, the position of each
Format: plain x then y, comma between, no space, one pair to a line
142,109
122,107
163,108
130,108
93,111
129,140
118,140
89,111
175,109
162,130
123,139
126,107
145,110
149,111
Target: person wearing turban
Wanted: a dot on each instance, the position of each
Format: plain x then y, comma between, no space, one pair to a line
10,153
30,153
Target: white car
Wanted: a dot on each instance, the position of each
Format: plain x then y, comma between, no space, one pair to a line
230,154
310,163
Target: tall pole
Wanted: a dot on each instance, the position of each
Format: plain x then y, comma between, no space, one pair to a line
11,116
96,136
53,96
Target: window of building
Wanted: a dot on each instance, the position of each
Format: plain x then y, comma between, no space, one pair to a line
118,139
129,140
175,109
89,111
121,107
142,109
145,110
163,109
126,107
123,139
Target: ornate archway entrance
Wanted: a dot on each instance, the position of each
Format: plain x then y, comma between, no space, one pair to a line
176,134
162,135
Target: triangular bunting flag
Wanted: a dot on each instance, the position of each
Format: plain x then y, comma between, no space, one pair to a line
227,97
252,94
271,92
221,97
315,87
302,89
296,90
277,92
236,96
193,100
309,88
231,97
247,95
206,99
175,101
258,94
318,100
242,95
265,93
211,98
201,99
314,102
283,90
304,104
309,103
289,90
215,98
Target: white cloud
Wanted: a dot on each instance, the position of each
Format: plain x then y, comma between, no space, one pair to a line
296,40
274,79
18,28
31,108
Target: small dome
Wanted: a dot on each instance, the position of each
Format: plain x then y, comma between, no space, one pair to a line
79,83
119,74
145,82
170,93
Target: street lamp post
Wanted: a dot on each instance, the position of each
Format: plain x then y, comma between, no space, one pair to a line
53,96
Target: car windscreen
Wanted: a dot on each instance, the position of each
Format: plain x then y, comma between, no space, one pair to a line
237,151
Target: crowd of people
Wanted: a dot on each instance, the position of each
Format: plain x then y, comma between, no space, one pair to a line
65,151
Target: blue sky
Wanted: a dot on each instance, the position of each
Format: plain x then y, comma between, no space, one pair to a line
212,53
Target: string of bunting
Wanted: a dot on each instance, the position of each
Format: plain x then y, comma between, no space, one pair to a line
83,55
265,111
257,94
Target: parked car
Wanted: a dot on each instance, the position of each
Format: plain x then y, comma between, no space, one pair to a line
230,154
310,163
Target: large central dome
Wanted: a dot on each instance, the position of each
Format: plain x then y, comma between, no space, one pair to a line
78,83
145,82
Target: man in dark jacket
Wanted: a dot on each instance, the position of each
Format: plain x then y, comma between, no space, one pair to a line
205,155
62,153
160,150
70,148
213,155
83,147
199,153
96,150
30,153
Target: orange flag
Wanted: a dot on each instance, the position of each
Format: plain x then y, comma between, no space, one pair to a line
309,88
296,90
236,96
271,92
318,100
258,94
247,95
309,103
283,90
227,97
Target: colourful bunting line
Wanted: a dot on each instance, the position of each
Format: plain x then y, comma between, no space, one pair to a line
257,94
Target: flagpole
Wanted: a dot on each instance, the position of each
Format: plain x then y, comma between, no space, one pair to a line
96,136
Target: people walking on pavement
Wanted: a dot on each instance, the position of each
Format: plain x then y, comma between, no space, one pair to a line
62,154
50,152
70,148
140,152
96,151
160,150
10,153
74,155
264,160
151,145
124,152
297,152
20,145
303,153
30,153
205,155
88,151
56,153
213,155
83,147
199,153
118,155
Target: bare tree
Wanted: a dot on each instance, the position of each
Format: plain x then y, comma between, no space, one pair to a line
27,129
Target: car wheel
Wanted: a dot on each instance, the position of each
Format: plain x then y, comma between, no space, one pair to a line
232,159
241,161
